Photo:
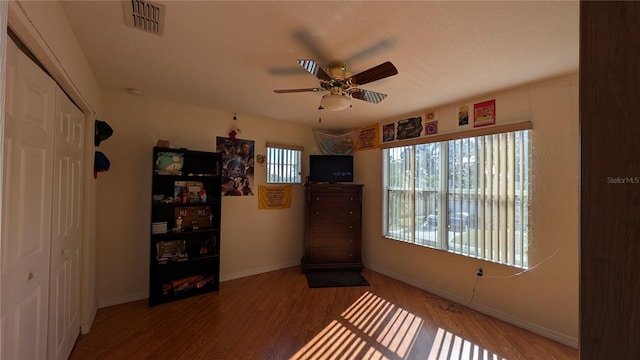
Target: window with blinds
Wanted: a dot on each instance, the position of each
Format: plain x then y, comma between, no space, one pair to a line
468,195
284,164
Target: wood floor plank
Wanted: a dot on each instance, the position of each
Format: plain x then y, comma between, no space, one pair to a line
276,316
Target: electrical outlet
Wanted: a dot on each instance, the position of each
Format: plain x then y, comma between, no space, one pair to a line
480,272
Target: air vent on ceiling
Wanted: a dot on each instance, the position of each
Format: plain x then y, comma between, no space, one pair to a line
144,15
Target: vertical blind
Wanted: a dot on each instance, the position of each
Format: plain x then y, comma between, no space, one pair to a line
466,195
488,193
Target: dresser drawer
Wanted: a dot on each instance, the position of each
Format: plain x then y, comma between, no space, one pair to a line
330,199
339,240
334,227
333,255
344,215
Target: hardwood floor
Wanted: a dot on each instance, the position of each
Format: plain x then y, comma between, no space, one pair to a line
276,316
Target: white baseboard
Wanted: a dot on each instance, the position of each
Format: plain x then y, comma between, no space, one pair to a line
86,327
535,328
140,296
256,271
121,300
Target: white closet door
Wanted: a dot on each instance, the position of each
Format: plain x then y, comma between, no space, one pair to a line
64,317
26,225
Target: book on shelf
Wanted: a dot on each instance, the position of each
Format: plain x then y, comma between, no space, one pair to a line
187,192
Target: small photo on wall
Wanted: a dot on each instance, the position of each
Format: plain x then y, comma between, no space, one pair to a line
430,115
463,115
431,127
484,113
388,132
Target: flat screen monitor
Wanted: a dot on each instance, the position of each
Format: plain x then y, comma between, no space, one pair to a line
330,168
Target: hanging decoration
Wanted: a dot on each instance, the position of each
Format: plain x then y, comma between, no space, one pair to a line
102,131
232,134
274,197
336,142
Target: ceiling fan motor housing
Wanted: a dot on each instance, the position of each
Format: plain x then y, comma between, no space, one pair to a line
338,71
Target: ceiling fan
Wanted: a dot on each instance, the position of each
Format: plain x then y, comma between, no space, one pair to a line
342,85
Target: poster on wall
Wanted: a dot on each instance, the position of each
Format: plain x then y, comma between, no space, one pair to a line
368,138
388,132
484,113
409,128
237,166
463,115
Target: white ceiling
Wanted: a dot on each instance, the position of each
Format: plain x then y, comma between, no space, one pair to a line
231,55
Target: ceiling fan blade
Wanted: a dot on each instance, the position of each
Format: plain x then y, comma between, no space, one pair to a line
370,51
366,95
286,91
375,73
306,38
315,69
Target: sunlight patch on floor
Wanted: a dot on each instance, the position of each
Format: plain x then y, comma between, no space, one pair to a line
447,346
371,328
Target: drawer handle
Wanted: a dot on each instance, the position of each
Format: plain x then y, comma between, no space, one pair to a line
350,226
31,276
317,212
350,212
317,199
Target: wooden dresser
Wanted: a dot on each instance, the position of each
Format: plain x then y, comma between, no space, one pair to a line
332,235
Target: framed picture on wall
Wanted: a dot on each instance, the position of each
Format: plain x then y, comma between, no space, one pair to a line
463,115
484,113
388,132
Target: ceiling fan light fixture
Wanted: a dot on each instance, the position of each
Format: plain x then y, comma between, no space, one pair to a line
335,102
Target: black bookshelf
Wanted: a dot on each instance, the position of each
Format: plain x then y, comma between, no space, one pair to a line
185,224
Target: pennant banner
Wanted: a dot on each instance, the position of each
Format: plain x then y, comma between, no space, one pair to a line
368,138
341,142
274,197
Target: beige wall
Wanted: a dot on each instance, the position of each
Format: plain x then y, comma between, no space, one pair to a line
252,240
544,299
